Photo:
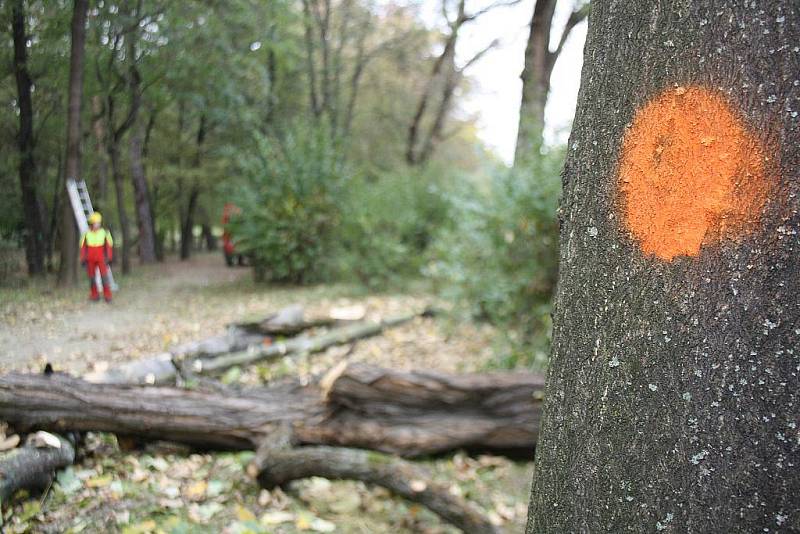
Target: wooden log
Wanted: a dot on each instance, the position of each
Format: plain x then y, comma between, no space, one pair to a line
277,466
404,413
299,345
32,467
240,347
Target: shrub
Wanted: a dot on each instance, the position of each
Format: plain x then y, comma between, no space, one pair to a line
289,200
500,259
387,226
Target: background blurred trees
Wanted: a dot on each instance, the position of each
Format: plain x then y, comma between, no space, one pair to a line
335,125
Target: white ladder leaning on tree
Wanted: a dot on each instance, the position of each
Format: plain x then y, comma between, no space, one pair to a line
82,208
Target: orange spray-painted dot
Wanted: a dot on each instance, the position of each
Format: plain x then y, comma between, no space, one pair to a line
690,173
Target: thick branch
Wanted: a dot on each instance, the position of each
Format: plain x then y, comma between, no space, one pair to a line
406,413
277,466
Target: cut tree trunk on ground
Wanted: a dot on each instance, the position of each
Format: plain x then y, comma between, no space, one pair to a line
405,413
278,466
300,345
243,344
32,468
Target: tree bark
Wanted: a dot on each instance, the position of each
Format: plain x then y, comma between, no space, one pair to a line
68,269
672,399
35,243
99,131
141,193
406,413
277,466
119,189
32,467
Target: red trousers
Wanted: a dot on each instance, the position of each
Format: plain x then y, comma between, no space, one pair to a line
91,266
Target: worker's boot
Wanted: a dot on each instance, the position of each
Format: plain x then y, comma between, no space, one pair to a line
93,294
106,289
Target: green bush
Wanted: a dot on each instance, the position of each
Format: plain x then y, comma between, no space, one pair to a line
500,259
387,226
290,202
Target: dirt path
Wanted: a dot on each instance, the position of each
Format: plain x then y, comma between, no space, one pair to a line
154,307
171,303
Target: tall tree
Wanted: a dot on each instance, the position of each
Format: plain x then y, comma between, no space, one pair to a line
672,398
435,102
144,212
68,270
35,245
539,63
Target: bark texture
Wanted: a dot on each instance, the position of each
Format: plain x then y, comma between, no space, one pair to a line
35,243
68,269
672,396
279,466
32,467
404,413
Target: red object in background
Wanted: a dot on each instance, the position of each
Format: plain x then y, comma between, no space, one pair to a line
228,247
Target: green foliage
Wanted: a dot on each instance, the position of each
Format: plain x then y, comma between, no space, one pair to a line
387,226
500,258
289,202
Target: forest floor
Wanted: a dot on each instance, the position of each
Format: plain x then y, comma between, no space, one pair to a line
164,489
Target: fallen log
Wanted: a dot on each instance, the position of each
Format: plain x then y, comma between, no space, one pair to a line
404,413
299,345
217,354
277,466
32,468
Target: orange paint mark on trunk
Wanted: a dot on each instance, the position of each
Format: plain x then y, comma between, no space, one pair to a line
690,173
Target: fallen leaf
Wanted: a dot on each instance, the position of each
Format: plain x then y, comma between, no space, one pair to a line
276,518
196,491
99,482
243,514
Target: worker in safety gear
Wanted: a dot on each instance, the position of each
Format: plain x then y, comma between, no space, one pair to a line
97,251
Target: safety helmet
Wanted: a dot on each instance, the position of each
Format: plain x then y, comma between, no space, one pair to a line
95,217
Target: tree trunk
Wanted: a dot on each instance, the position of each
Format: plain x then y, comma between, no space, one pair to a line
35,245
101,156
187,224
144,213
68,269
539,63
119,188
141,194
32,468
672,401
208,237
406,413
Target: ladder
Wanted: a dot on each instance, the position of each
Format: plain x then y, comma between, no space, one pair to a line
82,208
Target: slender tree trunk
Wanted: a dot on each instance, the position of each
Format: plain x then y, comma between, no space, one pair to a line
119,188
35,246
535,81
539,63
141,194
68,269
144,213
672,396
101,156
187,225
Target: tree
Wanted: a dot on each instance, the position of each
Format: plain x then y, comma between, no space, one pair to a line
35,246
539,63
672,398
445,77
68,271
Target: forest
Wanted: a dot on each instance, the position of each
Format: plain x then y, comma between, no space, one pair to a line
346,293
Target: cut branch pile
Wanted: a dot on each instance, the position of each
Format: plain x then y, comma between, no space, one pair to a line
298,429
